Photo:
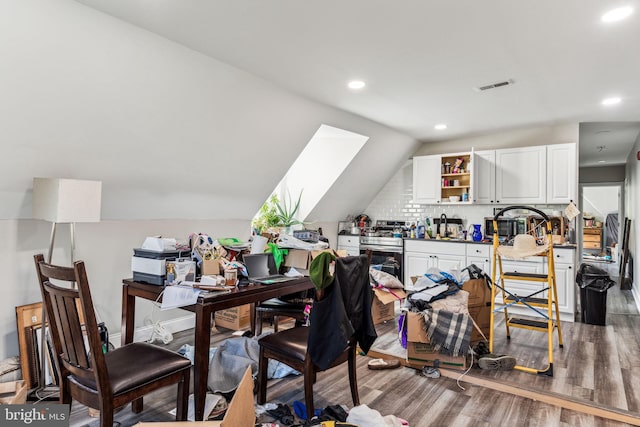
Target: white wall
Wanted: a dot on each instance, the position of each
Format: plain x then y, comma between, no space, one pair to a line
182,143
632,209
600,201
522,137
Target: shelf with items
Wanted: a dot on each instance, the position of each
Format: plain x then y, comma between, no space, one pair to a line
536,226
455,178
592,238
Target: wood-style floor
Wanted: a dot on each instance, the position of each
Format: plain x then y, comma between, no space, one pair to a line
599,366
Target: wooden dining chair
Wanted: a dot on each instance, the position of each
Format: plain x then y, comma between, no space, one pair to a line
275,308
102,381
340,321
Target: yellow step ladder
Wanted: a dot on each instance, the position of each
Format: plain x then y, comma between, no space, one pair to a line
543,308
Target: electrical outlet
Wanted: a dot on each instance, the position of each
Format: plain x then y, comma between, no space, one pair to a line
34,319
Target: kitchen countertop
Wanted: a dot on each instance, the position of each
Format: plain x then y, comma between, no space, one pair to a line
564,246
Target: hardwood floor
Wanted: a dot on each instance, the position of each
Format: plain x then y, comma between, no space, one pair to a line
599,367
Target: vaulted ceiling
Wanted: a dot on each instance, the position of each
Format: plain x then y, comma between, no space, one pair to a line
422,61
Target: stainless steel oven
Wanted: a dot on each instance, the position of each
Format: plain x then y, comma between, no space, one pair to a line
386,250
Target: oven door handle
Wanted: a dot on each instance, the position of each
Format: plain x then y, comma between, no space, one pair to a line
393,249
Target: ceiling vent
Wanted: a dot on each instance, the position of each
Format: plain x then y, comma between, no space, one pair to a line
494,85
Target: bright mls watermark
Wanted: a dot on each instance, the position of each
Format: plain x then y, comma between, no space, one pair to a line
50,415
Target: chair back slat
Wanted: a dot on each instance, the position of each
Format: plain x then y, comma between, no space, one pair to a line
72,321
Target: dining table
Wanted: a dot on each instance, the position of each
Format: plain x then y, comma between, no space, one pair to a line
205,307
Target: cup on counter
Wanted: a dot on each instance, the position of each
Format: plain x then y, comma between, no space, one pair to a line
230,276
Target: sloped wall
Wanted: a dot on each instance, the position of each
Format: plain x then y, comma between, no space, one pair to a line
181,142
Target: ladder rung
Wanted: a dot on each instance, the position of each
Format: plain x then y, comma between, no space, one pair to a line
537,325
536,302
534,277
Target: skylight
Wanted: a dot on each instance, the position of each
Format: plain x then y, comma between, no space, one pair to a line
318,166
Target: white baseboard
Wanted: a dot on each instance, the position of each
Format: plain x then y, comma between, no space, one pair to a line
143,333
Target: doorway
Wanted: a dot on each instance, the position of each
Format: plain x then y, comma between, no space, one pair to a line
602,214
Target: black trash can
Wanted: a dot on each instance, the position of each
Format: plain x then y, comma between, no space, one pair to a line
594,283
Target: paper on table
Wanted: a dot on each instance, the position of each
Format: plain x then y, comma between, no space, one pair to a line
293,273
179,296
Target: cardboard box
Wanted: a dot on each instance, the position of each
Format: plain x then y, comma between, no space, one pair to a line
241,411
479,292
383,307
479,307
234,318
13,392
481,314
421,353
300,259
210,267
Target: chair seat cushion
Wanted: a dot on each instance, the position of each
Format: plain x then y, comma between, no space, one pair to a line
291,342
276,304
137,363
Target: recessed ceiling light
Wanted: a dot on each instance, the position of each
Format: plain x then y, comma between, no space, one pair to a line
356,84
617,14
440,126
611,101
601,161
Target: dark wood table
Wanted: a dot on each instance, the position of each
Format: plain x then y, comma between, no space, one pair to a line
204,309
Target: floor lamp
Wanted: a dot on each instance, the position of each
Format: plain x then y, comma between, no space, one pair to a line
63,201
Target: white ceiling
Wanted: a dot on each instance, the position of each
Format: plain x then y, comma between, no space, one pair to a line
422,59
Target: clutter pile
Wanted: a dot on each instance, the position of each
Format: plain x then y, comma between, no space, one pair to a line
164,261
445,314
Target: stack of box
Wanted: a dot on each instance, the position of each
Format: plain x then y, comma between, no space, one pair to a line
150,266
383,307
479,307
421,353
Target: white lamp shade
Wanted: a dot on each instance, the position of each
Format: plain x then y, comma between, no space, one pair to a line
66,200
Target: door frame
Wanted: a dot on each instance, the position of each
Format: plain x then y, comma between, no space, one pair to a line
579,223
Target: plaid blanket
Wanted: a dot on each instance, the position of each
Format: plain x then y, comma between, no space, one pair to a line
448,332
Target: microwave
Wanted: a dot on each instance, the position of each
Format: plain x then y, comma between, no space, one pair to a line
507,227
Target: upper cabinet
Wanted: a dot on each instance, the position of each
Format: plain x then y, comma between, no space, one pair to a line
426,179
561,173
521,175
484,177
545,174
443,179
527,175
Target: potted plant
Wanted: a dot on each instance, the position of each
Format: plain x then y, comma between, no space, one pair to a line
267,217
286,212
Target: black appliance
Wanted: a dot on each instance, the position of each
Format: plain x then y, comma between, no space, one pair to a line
507,227
386,250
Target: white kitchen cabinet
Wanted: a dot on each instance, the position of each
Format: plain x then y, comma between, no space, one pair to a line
532,265
439,177
426,179
483,177
351,244
420,255
565,279
521,175
415,264
480,255
561,173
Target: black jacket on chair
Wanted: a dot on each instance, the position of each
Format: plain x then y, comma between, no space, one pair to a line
343,313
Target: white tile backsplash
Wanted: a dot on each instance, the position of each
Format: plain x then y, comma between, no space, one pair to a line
395,202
